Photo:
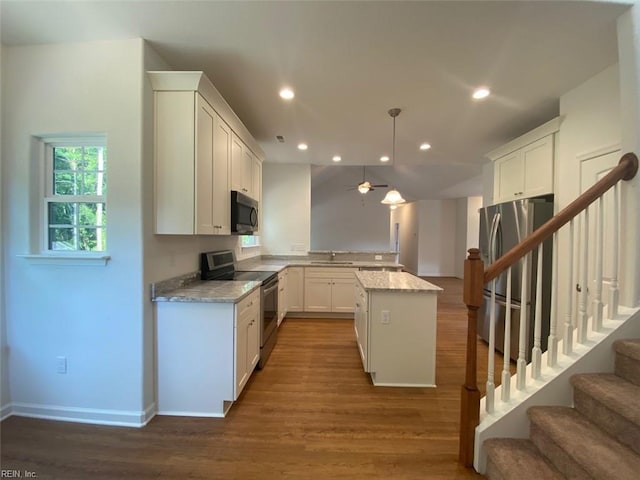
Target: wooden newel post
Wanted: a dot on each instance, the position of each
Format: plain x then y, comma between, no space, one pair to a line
470,397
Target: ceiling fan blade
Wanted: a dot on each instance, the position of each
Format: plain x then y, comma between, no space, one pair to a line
380,186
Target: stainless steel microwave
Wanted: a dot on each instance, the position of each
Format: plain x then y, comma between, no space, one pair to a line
244,214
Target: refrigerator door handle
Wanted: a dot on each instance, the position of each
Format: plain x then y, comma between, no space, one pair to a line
492,237
513,306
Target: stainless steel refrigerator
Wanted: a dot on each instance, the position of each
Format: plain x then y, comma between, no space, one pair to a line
501,227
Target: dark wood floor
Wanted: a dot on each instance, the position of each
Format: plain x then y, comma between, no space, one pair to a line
312,413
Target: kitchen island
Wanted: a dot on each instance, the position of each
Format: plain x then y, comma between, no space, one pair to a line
395,325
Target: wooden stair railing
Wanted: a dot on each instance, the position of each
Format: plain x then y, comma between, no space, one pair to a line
476,276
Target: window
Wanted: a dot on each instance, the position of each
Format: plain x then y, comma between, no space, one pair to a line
75,212
250,241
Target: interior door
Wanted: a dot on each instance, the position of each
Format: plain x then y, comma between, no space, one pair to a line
593,169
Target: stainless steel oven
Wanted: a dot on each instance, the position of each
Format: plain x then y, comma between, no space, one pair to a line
220,266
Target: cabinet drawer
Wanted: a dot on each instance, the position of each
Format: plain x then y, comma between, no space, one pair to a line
250,302
331,272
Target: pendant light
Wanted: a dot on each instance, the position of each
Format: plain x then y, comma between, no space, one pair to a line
393,196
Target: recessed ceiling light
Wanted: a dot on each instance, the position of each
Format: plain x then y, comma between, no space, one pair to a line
302,146
337,158
480,93
287,93
425,146
384,158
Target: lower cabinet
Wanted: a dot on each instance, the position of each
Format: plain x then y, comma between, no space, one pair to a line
247,334
329,290
295,289
396,336
283,301
206,353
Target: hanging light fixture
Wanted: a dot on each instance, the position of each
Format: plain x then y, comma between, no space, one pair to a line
393,196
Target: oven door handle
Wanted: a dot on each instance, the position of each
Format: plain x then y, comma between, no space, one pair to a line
267,291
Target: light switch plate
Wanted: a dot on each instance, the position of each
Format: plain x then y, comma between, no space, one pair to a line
386,317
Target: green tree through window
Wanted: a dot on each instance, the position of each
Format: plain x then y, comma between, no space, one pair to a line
76,198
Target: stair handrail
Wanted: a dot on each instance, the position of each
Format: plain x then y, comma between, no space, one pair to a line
476,276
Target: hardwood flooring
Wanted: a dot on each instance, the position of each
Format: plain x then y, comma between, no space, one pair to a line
312,413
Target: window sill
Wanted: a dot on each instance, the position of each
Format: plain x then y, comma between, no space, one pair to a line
68,259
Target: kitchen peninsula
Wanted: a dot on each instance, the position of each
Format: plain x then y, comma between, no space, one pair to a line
395,326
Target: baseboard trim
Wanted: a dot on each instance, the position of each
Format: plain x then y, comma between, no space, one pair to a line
6,411
122,418
176,413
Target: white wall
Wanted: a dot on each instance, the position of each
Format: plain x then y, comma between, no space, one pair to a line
5,393
407,218
629,57
343,219
437,230
286,199
91,314
467,230
591,122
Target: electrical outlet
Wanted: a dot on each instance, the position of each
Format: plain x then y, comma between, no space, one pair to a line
378,257
61,364
386,317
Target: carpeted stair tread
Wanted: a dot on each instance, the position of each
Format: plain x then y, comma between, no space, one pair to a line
628,359
616,393
514,458
571,441
628,347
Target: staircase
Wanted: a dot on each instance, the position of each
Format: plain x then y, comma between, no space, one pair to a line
597,439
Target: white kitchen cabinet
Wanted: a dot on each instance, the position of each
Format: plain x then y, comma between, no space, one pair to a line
192,154
329,289
206,353
524,167
525,173
246,169
295,289
247,340
283,302
194,134
396,329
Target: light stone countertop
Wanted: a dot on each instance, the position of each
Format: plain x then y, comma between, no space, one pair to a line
395,281
188,288
210,292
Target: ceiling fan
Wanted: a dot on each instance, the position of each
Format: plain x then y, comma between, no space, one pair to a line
364,186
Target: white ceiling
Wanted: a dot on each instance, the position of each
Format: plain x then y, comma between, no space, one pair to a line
350,62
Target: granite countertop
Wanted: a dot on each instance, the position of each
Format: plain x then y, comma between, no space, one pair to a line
209,292
395,281
189,288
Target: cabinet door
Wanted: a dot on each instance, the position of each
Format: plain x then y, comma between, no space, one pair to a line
247,168
342,292
317,295
242,348
221,212
237,164
295,289
205,126
537,160
360,326
509,178
253,339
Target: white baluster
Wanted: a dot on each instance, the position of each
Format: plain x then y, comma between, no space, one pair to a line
506,372
536,353
567,344
615,247
490,395
583,318
598,306
552,342
522,340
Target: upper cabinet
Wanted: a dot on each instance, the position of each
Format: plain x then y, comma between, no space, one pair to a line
196,137
243,169
523,168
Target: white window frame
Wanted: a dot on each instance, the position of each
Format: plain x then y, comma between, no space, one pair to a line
74,257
